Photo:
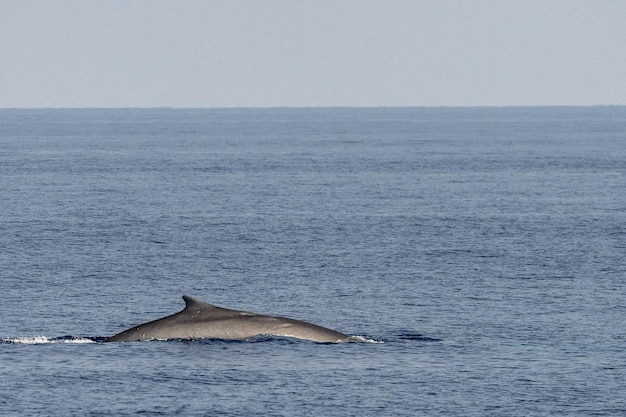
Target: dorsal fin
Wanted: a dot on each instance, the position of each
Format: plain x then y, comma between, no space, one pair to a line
194,303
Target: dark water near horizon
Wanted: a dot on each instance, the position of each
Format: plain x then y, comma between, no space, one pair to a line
484,248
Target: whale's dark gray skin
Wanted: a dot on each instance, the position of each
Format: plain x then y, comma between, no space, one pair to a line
199,320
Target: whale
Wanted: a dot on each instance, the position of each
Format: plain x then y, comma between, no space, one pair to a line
199,320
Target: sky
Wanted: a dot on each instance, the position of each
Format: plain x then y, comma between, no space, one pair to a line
301,53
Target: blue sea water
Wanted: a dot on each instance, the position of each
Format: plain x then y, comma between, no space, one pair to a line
482,249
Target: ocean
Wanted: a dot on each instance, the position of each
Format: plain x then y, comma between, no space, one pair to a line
478,252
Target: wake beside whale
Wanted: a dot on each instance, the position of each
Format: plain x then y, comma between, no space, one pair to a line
199,320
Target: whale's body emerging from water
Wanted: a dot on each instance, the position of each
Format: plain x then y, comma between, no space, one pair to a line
199,320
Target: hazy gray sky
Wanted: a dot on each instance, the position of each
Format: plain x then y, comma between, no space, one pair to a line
187,53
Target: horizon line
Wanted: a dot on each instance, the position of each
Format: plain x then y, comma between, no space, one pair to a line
309,107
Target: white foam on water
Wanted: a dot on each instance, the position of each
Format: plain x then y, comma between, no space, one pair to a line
362,339
39,340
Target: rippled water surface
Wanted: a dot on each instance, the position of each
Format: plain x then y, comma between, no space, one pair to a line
481,249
